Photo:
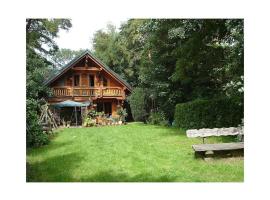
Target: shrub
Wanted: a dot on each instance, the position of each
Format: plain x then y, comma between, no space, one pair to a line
157,118
215,113
122,114
137,101
88,122
34,134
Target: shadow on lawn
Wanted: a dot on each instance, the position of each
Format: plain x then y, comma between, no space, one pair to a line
54,169
62,168
109,176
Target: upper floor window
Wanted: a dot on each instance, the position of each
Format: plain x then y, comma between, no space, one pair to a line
105,82
76,80
91,81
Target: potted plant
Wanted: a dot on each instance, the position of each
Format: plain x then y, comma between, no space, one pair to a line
122,113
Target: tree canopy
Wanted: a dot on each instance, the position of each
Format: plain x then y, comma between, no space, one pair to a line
177,60
40,46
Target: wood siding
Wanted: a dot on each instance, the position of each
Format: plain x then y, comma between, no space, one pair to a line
63,86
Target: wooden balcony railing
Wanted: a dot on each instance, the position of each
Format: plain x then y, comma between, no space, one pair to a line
91,92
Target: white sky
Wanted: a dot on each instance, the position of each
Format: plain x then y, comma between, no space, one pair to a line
81,33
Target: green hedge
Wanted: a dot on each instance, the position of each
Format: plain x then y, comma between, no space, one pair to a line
215,113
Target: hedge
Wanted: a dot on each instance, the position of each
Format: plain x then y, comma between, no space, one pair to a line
215,113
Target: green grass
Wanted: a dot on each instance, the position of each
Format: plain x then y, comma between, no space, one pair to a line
133,152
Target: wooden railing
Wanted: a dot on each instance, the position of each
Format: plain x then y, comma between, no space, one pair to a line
93,92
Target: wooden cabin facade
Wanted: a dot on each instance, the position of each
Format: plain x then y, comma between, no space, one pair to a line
87,79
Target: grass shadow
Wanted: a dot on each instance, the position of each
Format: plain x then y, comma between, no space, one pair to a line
49,147
110,176
54,169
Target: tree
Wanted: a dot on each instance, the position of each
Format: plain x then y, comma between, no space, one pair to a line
64,56
138,104
40,34
39,46
105,47
122,50
177,60
36,69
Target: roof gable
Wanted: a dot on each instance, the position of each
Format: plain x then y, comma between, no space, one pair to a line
93,58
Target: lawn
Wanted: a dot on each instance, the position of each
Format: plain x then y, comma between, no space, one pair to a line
133,152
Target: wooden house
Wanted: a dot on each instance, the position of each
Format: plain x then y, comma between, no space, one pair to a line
87,79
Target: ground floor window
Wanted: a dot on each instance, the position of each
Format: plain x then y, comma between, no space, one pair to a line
105,107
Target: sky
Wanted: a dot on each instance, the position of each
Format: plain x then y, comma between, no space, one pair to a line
82,31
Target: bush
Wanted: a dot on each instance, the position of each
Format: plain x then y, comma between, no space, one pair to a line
34,134
157,118
88,122
214,113
122,114
137,101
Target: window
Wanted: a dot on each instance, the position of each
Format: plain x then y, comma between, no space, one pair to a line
91,81
105,82
105,107
76,80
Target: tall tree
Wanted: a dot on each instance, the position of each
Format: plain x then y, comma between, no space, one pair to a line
40,44
177,60
105,46
64,56
40,34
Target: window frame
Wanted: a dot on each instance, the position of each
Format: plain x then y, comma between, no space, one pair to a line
107,81
79,84
89,79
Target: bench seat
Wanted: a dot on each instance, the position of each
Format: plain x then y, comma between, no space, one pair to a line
218,147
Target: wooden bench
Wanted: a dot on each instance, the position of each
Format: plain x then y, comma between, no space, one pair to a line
208,150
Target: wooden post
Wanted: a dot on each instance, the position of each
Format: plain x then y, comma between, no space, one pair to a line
76,115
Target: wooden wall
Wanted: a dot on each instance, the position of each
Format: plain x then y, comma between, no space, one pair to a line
67,80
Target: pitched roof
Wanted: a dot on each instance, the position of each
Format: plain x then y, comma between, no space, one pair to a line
99,62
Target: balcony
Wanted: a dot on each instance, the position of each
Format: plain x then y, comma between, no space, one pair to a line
88,92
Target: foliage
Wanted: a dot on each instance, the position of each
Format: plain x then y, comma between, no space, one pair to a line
101,114
133,153
39,46
215,113
34,135
138,104
64,56
36,69
104,43
91,113
88,117
177,60
40,34
157,118
122,114
88,122
121,50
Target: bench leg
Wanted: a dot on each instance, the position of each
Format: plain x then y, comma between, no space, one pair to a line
198,154
204,139
208,155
